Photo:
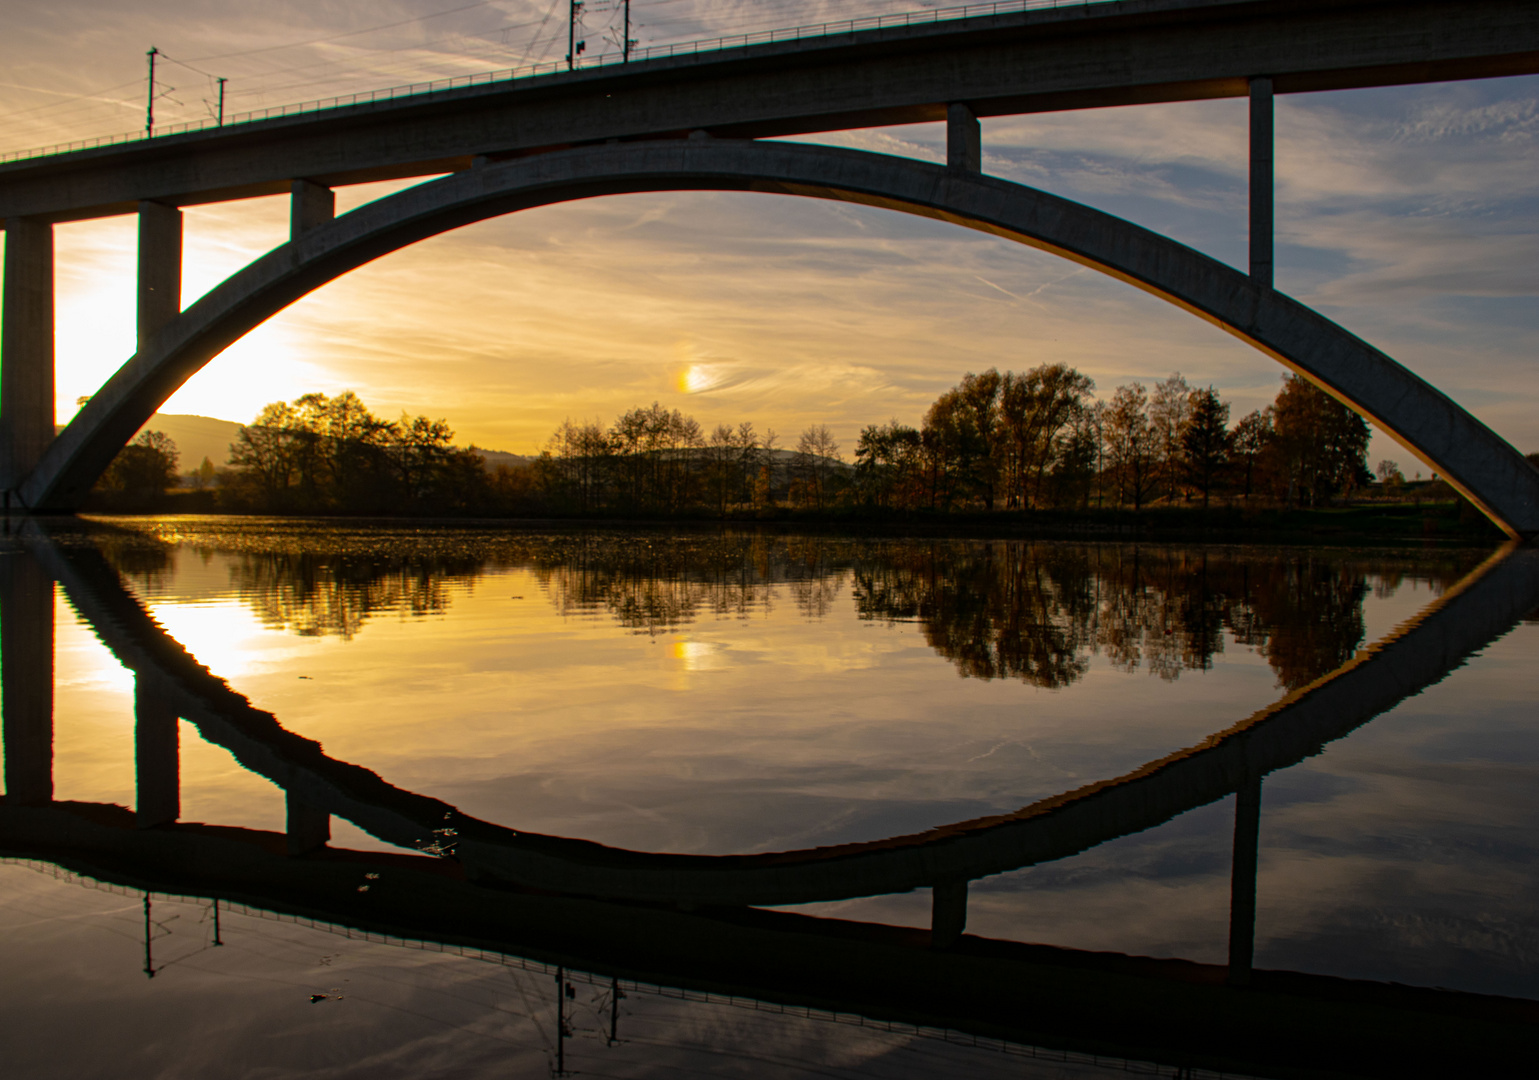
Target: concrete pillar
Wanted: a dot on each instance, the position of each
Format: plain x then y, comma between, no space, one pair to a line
157,761
310,204
26,351
1242,881
1262,142
948,913
964,139
160,268
26,678
309,827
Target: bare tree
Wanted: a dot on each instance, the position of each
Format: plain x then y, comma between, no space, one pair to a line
816,455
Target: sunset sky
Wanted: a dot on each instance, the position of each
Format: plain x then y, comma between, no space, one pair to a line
1407,214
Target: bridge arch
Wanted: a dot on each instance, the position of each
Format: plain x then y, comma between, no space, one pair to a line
1481,465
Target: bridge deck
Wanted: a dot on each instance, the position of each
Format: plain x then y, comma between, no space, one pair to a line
1130,52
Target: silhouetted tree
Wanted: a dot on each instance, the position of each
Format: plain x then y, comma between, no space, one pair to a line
1205,439
1132,444
1252,436
148,465
1321,445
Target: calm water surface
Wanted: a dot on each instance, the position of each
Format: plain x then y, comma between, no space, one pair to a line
744,693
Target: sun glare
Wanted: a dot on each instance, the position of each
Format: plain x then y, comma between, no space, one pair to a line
222,635
697,378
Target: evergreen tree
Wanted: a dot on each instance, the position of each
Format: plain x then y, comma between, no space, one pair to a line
1205,439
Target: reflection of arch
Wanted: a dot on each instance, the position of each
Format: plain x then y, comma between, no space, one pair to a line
1172,1011
1485,604
1469,455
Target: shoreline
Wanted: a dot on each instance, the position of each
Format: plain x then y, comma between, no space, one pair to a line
1434,524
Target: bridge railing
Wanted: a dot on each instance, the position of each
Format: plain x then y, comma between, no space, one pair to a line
552,67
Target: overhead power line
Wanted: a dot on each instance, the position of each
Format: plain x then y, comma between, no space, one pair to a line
339,37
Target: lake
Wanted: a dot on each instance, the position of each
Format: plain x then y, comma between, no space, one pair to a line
336,799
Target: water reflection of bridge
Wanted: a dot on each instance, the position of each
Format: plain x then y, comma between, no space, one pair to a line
692,920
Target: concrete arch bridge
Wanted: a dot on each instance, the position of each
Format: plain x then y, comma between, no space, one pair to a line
694,123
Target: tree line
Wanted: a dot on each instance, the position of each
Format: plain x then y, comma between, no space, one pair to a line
1038,439
1013,441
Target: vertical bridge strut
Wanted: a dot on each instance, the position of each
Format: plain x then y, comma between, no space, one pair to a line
1262,143
964,139
160,268
26,346
310,205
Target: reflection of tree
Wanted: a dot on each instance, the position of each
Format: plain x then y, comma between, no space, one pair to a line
1032,611
1037,612
323,595
653,584
996,610
143,559
1312,615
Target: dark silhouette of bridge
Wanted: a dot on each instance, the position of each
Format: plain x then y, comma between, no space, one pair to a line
689,920
692,122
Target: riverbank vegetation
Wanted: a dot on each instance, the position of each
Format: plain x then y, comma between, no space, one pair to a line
1014,448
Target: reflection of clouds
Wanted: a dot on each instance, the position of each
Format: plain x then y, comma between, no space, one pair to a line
71,950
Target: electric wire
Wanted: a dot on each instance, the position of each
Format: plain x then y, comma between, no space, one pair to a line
651,20
339,37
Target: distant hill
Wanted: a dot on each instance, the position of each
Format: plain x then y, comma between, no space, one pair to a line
494,458
197,437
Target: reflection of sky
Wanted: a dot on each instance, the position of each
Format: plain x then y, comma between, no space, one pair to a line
1405,852
73,958
1400,852
732,734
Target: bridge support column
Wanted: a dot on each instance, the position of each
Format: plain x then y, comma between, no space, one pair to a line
308,827
1262,150
157,758
160,268
310,204
26,668
964,139
1242,881
26,351
948,913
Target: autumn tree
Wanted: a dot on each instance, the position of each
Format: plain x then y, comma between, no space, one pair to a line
1036,408
1321,445
888,464
1252,436
1169,406
1132,444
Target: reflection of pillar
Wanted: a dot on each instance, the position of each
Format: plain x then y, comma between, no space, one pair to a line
310,204
156,758
149,955
1242,883
948,913
26,351
964,139
26,668
1261,185
615,994
562,993
160,268
309,827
